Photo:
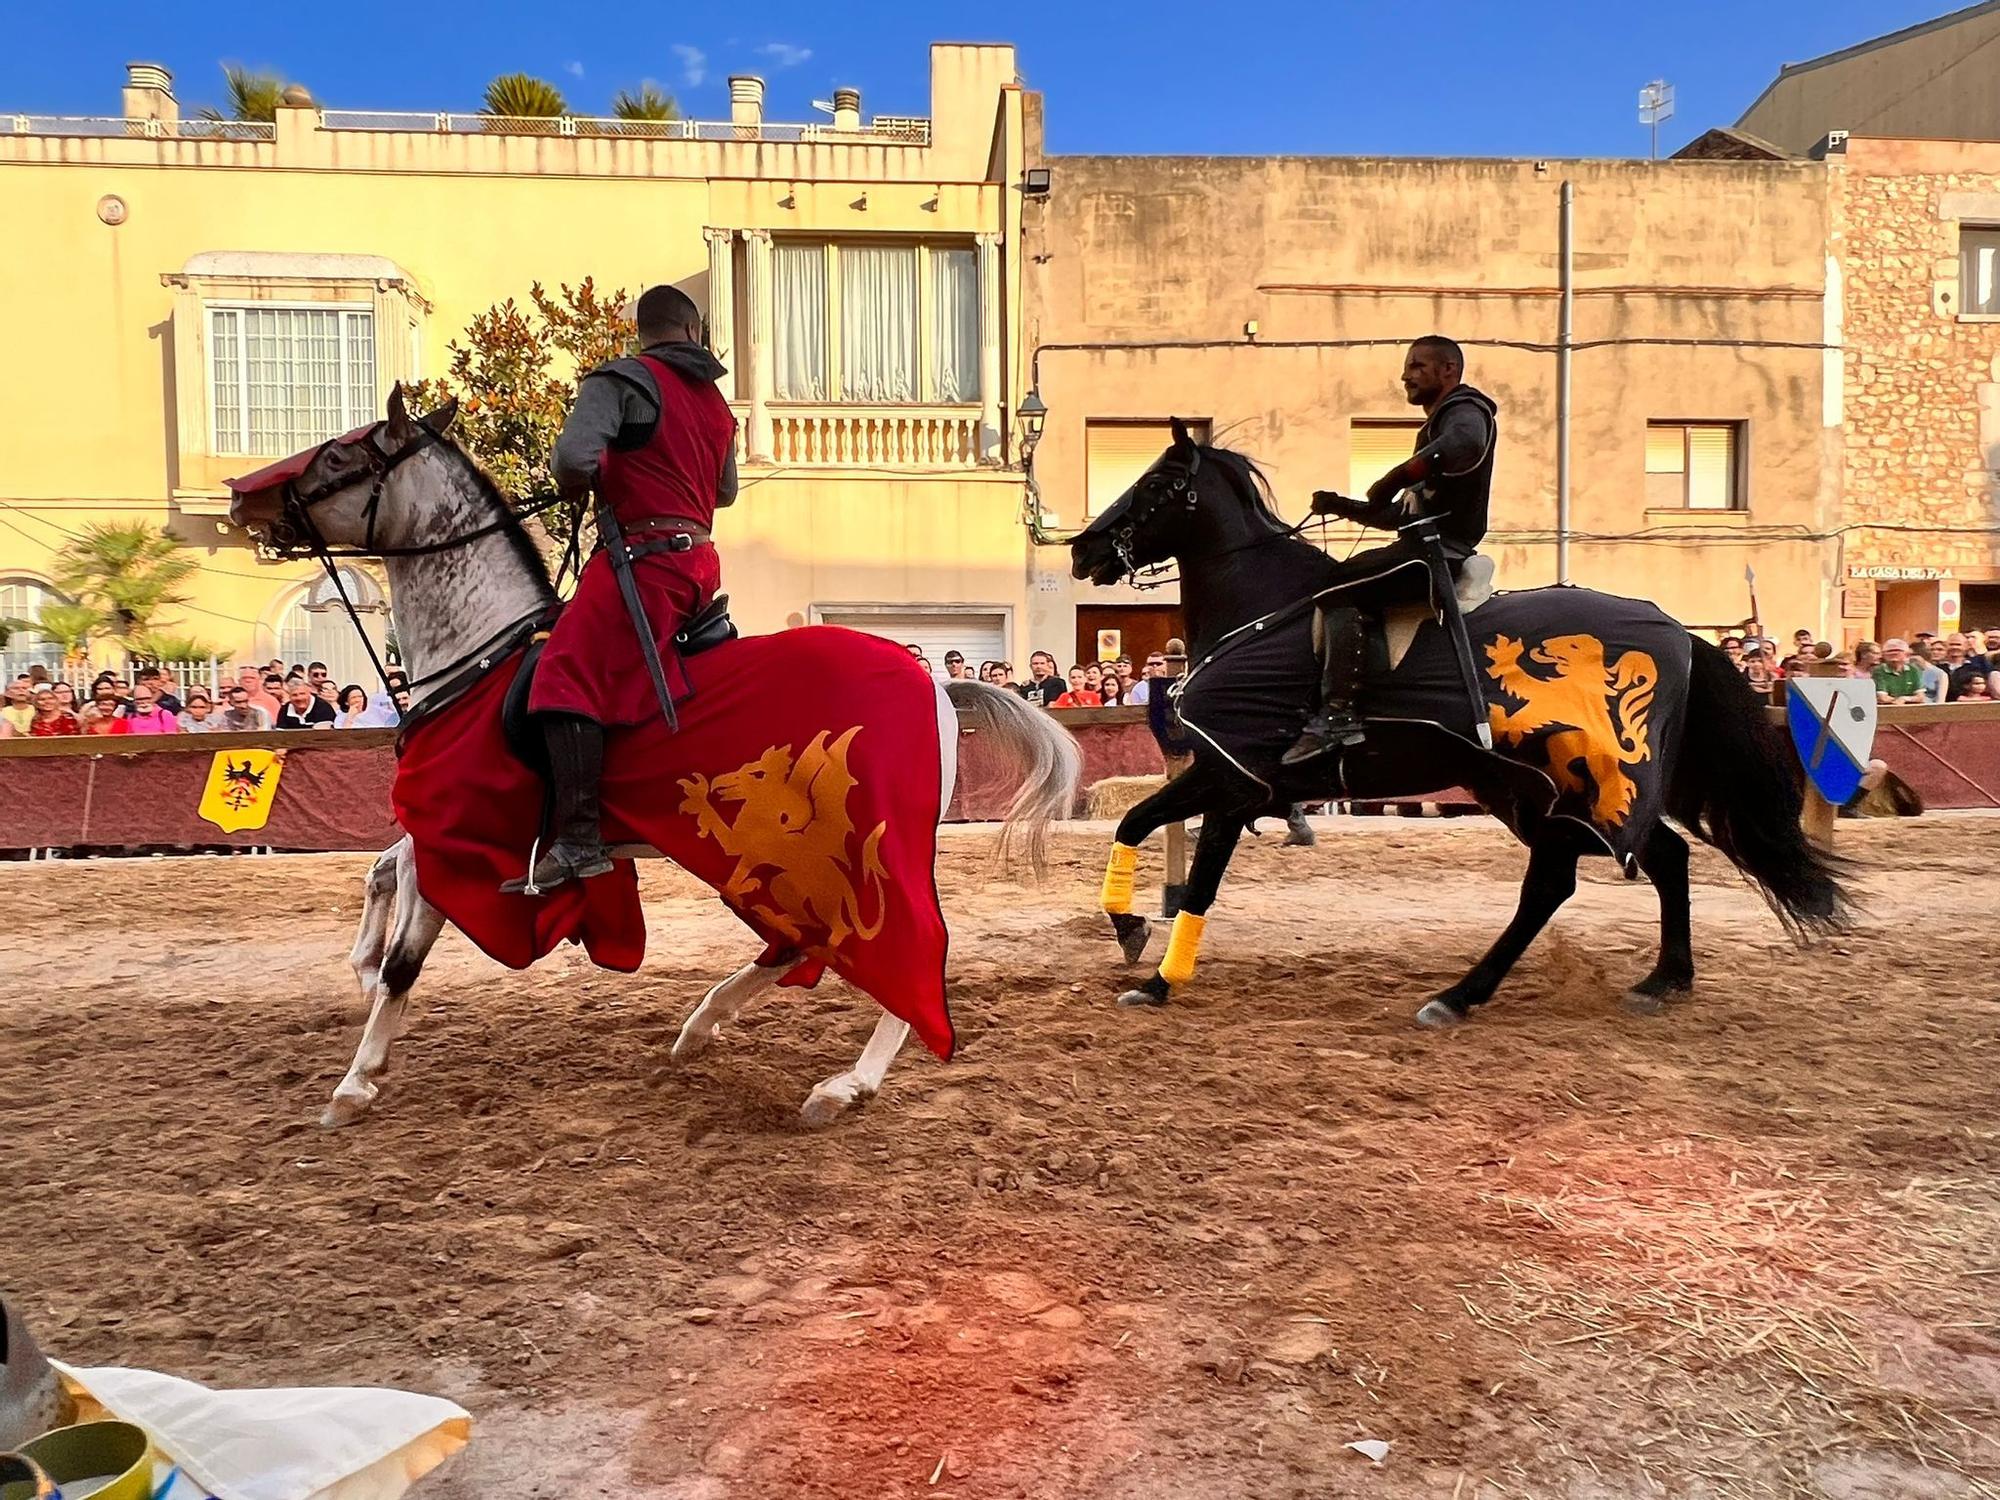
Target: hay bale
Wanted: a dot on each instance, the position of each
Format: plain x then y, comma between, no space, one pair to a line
1115,796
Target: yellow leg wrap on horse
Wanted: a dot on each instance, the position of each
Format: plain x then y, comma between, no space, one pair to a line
1183,948
1117,893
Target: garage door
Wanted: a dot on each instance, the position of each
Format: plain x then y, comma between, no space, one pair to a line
978,635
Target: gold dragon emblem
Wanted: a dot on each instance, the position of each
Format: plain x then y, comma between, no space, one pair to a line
1595,715
790,840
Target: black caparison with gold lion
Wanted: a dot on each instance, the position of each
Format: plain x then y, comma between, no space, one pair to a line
1608,717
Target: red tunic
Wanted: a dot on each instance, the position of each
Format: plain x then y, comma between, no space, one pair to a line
592,664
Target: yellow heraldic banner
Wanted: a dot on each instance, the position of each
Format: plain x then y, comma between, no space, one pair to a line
242,785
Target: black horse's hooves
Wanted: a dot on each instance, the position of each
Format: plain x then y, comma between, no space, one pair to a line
1133,930
1440,1015
1141,997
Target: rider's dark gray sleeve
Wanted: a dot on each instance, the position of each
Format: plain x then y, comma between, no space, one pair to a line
725,492
608,402
1459,441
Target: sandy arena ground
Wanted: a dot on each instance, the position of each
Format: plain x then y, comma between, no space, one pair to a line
1748,1247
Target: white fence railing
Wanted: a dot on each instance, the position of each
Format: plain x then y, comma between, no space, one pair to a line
909,437
212,674
151,130
894,130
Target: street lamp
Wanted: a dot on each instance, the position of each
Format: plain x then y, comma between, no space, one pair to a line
1034,412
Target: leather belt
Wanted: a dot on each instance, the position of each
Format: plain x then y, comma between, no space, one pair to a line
670,534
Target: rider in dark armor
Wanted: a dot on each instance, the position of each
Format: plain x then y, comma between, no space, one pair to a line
1448,477
654,436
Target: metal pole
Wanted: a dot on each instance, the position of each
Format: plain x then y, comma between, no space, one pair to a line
1565,330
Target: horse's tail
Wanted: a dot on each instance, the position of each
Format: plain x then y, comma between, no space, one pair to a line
1046,753
1737,784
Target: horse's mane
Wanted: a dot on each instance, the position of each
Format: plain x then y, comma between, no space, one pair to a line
1250,482
511,528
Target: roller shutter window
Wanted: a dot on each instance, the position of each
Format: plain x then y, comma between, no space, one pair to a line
1117,453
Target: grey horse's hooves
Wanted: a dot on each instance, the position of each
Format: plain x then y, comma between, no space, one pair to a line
1141,997
1133,932
1439,1015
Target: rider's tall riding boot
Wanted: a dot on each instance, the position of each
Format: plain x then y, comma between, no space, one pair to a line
1342,654
576,758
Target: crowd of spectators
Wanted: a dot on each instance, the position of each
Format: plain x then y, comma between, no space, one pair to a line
258,698
1107,684
1959,667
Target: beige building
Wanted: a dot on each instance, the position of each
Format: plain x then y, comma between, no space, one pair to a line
1939,80
199,297
1271,298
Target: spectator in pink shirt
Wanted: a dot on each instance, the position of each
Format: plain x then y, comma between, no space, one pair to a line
147,716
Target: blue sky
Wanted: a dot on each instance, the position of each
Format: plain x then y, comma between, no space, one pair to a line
1529,77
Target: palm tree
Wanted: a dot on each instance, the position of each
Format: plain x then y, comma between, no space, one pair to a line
253,96
68,626
130,573
650,102
173,650
521,96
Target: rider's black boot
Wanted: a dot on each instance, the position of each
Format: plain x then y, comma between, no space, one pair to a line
1336,726
576,757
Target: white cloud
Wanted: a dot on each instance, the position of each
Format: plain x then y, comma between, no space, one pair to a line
694,64
784,54
574,69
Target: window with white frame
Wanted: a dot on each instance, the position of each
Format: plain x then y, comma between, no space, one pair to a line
285,378
21,599
876,322
1979,269
1694,465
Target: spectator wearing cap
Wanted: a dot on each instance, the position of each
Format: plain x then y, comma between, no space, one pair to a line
954,665
1757,668
1123,668
1898,677
1154,669
51,716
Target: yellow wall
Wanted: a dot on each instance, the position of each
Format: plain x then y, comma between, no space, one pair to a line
91,430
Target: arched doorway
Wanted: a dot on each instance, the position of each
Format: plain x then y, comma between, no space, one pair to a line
312,626
22,599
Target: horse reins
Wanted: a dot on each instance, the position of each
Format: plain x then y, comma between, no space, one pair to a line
1182,488
295,521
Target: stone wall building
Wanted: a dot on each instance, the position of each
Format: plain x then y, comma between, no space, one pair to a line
1916,227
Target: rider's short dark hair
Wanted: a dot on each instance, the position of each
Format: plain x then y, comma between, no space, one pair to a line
663,311
1453,355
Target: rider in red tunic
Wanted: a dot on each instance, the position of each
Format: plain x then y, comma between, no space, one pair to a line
657,441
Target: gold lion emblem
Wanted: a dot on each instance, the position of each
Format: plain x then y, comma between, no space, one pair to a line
1596,715
790,843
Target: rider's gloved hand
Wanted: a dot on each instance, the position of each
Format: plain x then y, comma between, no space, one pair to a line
1333,503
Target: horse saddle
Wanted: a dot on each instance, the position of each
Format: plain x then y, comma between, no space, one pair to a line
1400,622
707,628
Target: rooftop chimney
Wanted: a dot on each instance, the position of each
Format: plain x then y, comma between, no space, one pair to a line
847,109
746,100
149,93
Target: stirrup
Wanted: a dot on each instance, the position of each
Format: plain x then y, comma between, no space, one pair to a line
1324,734
560,864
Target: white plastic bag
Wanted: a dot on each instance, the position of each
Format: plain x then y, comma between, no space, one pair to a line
339,1443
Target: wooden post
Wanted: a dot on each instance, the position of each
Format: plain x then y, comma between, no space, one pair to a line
1817,818
1175,889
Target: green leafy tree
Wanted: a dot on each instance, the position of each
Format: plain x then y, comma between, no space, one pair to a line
174,650
521,96
130,574
647,102
514,374
253,95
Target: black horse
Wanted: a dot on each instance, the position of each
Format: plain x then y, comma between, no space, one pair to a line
1607,714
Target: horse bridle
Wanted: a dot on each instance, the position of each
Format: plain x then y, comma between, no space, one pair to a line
294,534
1180,488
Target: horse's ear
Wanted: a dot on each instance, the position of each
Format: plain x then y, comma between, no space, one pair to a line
399,414
1182,437
440,420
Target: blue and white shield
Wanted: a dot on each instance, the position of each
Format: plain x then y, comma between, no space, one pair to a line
1833,726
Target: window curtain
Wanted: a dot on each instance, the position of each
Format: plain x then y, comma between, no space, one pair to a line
800,274
878,322
955,326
